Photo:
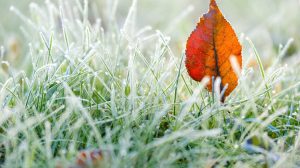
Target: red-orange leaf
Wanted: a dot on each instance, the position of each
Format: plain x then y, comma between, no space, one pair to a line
209,49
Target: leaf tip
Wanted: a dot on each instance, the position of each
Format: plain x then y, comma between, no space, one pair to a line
213,4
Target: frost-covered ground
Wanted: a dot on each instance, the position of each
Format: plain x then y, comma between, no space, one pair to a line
110,76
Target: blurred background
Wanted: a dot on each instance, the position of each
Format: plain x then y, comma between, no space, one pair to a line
269,23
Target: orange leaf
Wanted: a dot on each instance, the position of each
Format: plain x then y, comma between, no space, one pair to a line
89,158
209,49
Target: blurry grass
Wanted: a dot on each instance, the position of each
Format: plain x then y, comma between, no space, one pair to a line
110,76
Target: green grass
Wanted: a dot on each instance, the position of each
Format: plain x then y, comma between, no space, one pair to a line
86,79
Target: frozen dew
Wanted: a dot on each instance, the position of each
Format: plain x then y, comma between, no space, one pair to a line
88,93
